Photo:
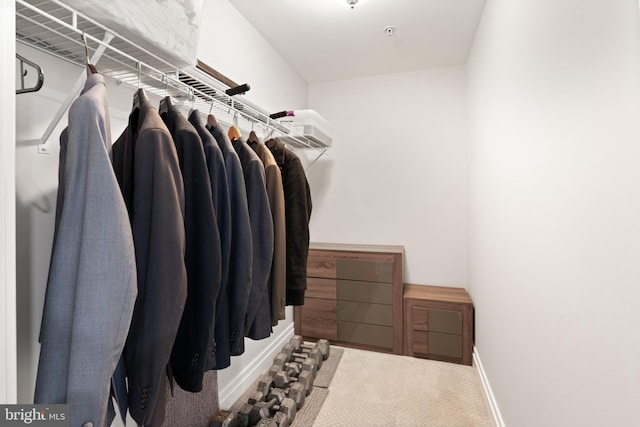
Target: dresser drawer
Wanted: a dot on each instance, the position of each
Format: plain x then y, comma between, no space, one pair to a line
319,318
361,333
419,343
420,318
376,293
438,323
321,265
374,314
321,288
354,296
437,344
436,320
446,321
371,271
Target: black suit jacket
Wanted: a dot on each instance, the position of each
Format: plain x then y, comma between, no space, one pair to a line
219,334
202,257
258,319
241,257
297,205
146,165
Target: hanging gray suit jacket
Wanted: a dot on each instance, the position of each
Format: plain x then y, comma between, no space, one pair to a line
92,277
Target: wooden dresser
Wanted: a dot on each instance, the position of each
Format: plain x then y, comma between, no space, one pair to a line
438,323
354,296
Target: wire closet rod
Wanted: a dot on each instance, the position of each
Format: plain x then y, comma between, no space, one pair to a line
57,29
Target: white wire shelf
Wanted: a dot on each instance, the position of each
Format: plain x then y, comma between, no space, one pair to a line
57,29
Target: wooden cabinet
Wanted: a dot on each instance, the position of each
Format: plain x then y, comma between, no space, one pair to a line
438,323
354,296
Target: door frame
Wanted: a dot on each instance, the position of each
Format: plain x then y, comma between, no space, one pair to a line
8,349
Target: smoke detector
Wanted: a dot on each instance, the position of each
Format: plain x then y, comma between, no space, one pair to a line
351,3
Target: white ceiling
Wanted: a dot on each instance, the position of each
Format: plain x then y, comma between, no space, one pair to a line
324,41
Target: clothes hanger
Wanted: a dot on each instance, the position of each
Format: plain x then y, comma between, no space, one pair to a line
165,102
91,69
139,97
23,73
193,102
212,122
269,134
270,139
234,133
253,138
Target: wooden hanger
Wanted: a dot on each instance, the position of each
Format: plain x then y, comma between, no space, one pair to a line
234,133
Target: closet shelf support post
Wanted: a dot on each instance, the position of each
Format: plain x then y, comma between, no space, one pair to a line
43,145
324,150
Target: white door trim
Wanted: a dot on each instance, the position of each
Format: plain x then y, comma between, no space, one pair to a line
8,348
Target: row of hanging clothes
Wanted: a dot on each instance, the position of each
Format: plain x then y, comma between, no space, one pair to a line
171,246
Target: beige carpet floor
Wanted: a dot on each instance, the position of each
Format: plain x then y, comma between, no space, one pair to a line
378,389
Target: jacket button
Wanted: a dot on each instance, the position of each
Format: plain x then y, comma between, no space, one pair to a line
87,424
194,361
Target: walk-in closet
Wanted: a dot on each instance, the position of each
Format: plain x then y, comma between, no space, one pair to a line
319,213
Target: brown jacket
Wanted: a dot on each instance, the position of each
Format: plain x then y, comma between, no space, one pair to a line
275,193
297,196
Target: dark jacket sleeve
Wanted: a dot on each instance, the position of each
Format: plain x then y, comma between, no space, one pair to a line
230,319
298,212
219,332
241,262
158,231
202,261
262,240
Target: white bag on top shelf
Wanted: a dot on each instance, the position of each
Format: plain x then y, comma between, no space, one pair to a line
167,28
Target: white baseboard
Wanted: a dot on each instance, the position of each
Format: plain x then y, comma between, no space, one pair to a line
491,399
235,388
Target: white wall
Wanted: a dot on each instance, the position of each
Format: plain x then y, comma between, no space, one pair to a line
231,45
396,173
554,101
274,86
